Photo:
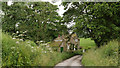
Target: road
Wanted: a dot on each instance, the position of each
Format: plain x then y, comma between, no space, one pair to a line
73,62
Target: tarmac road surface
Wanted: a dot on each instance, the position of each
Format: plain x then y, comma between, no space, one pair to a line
73,62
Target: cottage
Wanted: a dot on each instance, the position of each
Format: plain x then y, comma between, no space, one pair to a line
67,43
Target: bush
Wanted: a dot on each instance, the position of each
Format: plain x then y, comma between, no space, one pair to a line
78,52
17,53
106,55
27,53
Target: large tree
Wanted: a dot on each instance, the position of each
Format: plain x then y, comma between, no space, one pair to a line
39,19
99,21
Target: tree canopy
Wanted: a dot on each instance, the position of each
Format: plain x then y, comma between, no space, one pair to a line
99,21
39,20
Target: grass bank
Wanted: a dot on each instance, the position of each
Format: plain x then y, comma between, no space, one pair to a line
106,55
87,43
26,53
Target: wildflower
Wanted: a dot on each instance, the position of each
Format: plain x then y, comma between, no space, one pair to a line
41,41
13,38
37,41
45,52
32,47
16,36
51,51
17,32
17,42
28,45
12,47
18,52
21,39
12,52
25,31
22,34
19,35
13,34
28,42
47,46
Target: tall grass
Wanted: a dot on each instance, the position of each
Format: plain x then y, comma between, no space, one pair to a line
27,53
15,52
106,55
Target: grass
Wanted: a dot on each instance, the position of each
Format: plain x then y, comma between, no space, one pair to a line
87,43
106,55
27,53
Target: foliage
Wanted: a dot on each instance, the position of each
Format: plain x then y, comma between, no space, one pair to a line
104,56
98,21
27,53
39,20
15,52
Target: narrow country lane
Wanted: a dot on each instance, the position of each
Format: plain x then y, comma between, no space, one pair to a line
73,62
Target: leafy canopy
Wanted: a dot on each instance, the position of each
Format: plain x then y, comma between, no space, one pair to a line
99,21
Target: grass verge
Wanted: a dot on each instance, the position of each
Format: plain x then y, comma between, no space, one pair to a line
106,55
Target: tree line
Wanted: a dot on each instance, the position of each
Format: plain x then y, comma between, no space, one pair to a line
99,21
39,19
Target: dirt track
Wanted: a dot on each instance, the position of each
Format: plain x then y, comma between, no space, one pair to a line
73,62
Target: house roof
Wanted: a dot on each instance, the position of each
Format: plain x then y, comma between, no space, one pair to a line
58,39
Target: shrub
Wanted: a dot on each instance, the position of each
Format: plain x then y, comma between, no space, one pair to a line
27,53
106,55
17,53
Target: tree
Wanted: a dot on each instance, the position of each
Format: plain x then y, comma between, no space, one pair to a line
13,15
98,21
39,19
